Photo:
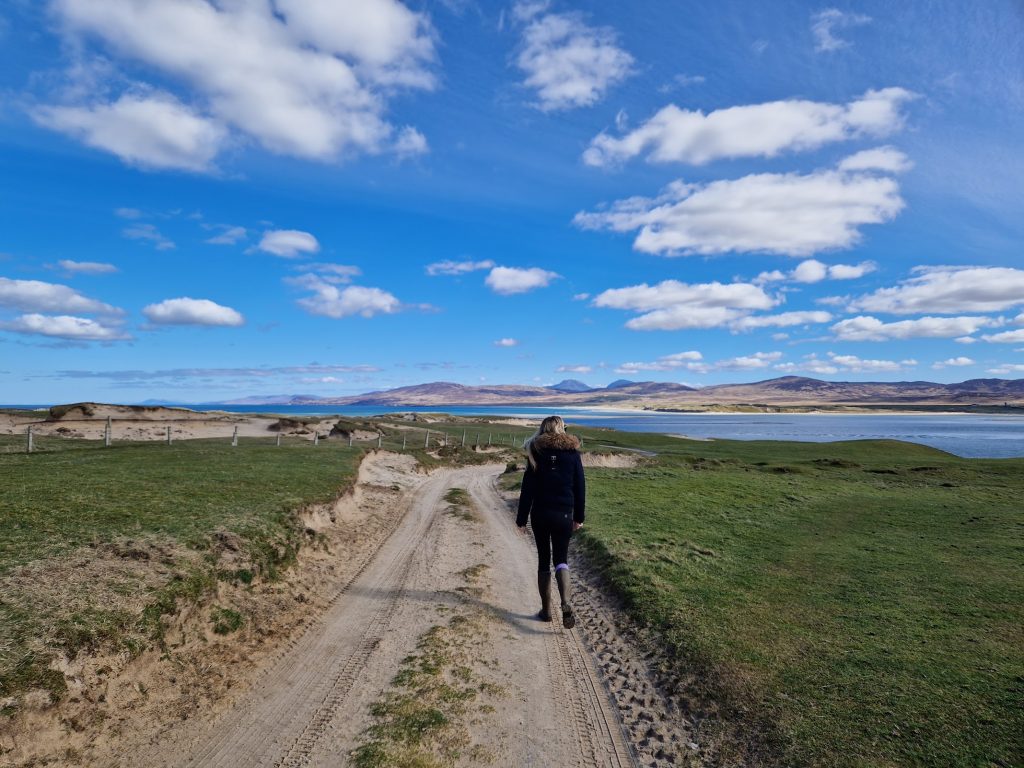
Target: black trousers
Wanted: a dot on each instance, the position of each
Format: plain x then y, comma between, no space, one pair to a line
552,531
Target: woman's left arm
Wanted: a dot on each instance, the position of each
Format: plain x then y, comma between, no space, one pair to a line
579,493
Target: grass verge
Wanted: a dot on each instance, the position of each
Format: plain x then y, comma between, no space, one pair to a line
99,545
854,603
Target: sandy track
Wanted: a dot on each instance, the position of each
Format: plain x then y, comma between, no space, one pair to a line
311,704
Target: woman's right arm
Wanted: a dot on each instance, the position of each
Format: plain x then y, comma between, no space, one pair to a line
526,495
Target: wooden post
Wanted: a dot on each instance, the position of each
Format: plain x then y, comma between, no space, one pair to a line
28,439
234,438
488,438
463,438
106,434
349,439
316,437
168,434
445,439
278,439
476,443
380,438
426,440
403,441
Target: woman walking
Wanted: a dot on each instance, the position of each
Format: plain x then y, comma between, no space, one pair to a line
553,497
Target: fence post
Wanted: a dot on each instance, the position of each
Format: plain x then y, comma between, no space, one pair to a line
403,441
463,438
106,434
445,439
28,439
476,443
278,439
349,439
380,438
488,439
426,440
316,437
168,434
234,438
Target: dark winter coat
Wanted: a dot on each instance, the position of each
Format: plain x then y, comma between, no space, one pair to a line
553,483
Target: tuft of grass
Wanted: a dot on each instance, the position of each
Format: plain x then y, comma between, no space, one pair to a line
838,604
225,620
420,720
461,506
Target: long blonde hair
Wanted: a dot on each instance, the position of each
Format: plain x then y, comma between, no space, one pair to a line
552,425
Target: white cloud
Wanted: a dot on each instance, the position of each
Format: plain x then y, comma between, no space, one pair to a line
230,236
810,364
86,267
824,25
338,274
1007,368
851,271
855,364
865,328
813,271
509,280
151,131
810,271
580,296
186,311
327,300
309,78
953,362
507,343
574,369
1006,337
672,305
149,233
288,243
679,360
789,214
675,135
128,213
681,80
410,143
781,320
64,327
567,62
948,290
457,267
886,159
693,361
37,296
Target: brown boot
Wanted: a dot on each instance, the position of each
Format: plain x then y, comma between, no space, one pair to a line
544,587
565,591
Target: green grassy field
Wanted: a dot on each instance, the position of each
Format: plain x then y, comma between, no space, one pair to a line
850,604
156,502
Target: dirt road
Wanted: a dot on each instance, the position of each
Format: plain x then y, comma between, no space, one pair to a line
311,706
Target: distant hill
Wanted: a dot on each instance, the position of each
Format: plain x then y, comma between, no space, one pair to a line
782,391
571,385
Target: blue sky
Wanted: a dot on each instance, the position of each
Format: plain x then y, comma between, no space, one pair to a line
205,200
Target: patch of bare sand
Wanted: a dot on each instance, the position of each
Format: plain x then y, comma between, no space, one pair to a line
611,460
117,700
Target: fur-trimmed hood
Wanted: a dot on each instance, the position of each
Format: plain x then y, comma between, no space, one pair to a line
550,441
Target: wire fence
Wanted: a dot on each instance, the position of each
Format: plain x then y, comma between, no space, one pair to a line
42,437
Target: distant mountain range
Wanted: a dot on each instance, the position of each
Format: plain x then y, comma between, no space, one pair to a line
784,391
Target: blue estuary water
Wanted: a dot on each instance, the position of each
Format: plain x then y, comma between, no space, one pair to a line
969,435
